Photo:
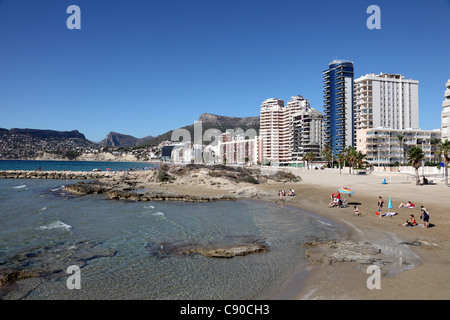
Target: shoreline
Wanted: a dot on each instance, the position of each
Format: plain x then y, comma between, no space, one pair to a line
424,253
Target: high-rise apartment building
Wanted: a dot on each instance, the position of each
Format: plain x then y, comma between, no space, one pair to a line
338,105
387,101
307,131
445,116
276,128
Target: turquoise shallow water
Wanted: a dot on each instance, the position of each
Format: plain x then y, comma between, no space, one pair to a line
128,250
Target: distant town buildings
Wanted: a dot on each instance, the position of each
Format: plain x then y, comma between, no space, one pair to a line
445,116
338,105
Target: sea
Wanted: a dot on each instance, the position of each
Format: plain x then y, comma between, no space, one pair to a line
141,250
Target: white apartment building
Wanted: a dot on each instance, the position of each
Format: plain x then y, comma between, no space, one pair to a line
238,150
276,128
382,146
386,100
445,115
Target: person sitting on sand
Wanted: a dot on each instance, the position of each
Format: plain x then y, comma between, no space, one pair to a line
333,203
409,204
411,223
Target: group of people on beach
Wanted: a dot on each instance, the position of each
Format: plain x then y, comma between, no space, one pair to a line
424,215
283,193
335,200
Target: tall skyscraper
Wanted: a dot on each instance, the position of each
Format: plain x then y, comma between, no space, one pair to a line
386,100
445,116
338,105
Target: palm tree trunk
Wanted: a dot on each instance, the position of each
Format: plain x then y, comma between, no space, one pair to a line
446,173
417,176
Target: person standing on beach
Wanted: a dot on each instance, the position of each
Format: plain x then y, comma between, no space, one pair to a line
425,215
380,205
357,211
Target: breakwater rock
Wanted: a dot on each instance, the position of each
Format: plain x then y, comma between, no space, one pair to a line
69,175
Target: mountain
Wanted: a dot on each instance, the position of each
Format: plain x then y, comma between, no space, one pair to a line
44,134
31,143
114,139
212,121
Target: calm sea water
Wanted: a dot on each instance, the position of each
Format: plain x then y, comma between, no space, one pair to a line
70,165
130,250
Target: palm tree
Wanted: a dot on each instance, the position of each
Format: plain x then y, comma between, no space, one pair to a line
309,157
444,152
434,145
327,155
400,138
341,159
350,156
359,158
415,154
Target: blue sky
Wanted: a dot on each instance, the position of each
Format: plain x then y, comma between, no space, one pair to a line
143,67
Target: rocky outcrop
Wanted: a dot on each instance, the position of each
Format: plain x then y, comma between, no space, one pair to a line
230,252
164,249
127,191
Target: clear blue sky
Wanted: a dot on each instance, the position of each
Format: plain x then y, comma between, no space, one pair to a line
143,67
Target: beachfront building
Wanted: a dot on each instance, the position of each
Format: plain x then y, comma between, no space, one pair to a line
338,105
386,100
237,149
388,147
445,115
307,133
276,128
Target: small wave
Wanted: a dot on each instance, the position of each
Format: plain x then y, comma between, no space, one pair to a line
149,207
20,187
42,209
55,225
160,214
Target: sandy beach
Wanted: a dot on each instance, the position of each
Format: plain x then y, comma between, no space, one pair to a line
414,261
423,253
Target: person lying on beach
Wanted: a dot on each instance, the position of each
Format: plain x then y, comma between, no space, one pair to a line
409,204
411,222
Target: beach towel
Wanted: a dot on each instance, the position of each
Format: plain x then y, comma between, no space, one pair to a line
417,225
389,214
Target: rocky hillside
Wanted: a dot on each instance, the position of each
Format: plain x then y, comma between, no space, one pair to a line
212,121
114,139
33,143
